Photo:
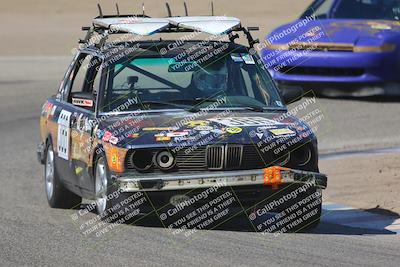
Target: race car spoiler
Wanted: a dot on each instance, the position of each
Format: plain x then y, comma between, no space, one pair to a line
272,176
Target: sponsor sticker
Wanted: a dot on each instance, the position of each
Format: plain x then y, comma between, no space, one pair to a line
82,102
53,110
204,132
106,137
99,133
234,130
134,135
265,128
113,140
203,128
48,107
283,131
177,134
162,138
197,123
160,129
78,170
114,159
245,121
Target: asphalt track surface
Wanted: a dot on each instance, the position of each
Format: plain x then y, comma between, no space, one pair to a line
33,234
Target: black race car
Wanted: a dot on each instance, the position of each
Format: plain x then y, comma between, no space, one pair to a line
181,123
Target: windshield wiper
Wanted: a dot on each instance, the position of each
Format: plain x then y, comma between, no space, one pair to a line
161,103
186,104
197,100
254,108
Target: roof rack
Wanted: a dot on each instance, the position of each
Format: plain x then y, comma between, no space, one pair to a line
144,25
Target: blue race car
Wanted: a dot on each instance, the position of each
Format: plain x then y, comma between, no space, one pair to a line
337,47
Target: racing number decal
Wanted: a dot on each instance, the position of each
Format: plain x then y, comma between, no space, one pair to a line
63,134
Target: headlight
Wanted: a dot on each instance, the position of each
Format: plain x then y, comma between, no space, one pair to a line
141,160
301,156
164,160
380,48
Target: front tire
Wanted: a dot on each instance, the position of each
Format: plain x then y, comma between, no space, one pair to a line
111,204
102,182
57,195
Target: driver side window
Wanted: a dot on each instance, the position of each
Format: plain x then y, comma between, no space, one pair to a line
84,81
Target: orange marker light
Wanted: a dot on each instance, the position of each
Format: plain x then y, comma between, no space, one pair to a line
115,158
272,175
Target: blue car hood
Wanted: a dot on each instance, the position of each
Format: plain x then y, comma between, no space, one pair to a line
334,30
173,130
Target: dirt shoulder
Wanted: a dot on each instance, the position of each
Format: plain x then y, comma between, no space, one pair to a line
365,182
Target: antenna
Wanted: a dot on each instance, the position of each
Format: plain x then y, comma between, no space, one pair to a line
143,9
100,11
168,10
212,8
186,10
116,6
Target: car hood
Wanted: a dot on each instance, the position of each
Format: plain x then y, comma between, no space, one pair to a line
342,31
148,130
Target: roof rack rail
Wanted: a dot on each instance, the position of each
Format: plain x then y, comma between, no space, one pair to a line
100,10
186,10
142,24
117,8
168,9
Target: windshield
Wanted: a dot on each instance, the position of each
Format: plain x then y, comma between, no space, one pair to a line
234,80
356,9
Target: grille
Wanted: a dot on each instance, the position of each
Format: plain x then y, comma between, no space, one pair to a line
215,157
191,159
218,157
322,71
233,157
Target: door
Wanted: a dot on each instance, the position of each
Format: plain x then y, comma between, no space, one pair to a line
77,120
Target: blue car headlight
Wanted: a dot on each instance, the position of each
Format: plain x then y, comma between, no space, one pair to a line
379,49
369,44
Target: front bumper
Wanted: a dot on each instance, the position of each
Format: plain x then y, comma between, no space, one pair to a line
165,182
377,67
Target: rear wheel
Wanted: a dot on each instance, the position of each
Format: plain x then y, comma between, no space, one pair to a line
57,195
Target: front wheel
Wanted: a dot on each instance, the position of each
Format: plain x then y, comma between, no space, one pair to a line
111,204
101,186
57,195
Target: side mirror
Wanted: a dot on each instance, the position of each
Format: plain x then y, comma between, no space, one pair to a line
83,99
291,94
